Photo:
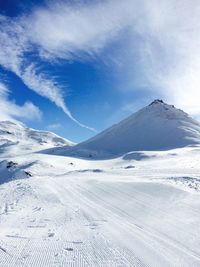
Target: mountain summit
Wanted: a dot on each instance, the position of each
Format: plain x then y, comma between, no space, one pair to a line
158,126
157,101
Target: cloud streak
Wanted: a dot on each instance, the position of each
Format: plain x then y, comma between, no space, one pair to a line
14,45
11,111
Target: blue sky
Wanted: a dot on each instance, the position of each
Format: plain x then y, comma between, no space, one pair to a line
77,67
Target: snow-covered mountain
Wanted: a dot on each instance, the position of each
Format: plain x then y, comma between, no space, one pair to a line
16,138
140,210
158,126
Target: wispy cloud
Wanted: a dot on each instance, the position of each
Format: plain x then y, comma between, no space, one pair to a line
78,28
58,31
170,54
11,111
15,45
162,38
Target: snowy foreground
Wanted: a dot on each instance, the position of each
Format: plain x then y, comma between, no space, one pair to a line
141,209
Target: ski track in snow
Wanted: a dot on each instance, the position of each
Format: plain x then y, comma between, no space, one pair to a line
69,214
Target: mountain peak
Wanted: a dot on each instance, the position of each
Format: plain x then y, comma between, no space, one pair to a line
158,126
157,101
160,102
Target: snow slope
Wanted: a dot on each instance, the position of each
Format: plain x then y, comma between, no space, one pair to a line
137,210
156,127
120,212
16,138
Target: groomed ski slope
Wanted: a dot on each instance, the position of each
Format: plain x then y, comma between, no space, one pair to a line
141,209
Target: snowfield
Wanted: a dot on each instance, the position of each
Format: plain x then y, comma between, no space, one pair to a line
128,197
138,210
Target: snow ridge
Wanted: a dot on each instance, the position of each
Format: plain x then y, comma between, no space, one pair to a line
16,138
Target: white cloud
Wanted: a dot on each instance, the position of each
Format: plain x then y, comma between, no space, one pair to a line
67,30
170,52
11,111
43,86
165,36
14,45
168,49
58,31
